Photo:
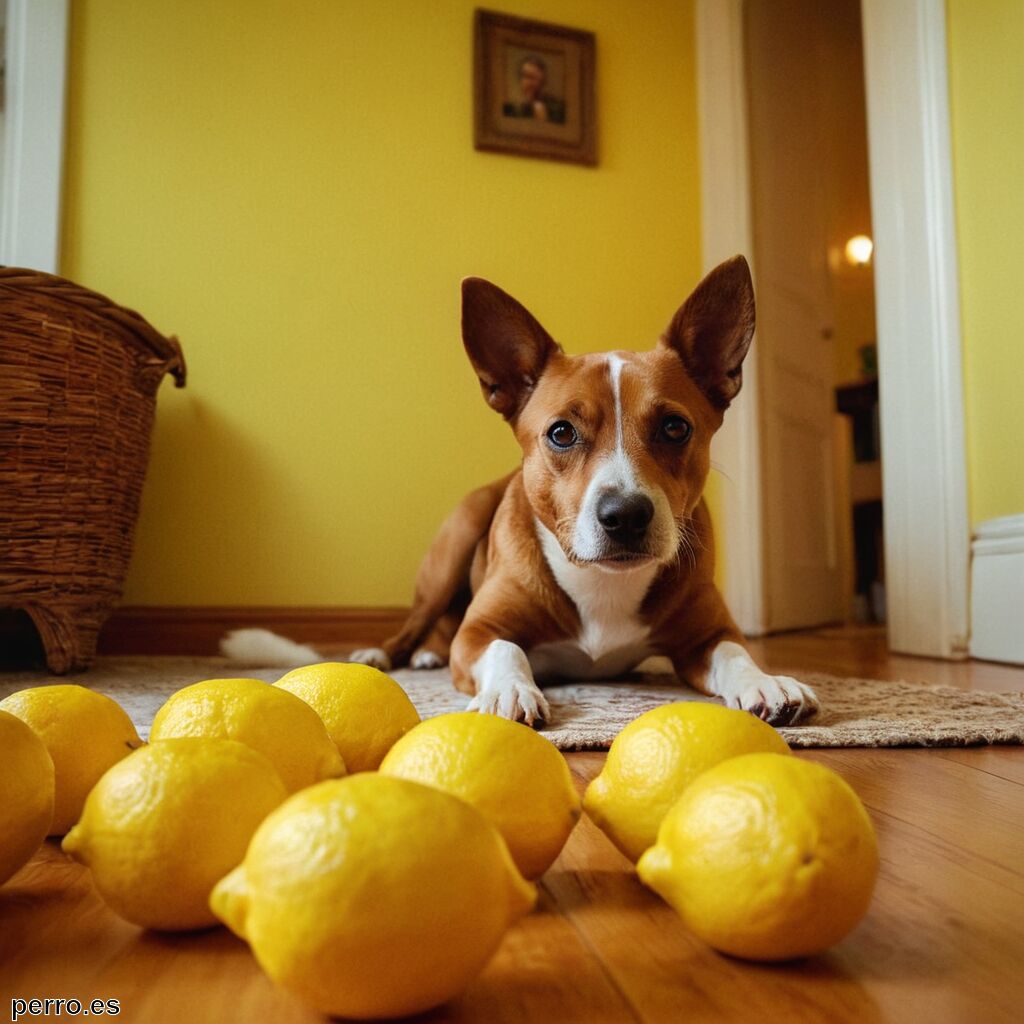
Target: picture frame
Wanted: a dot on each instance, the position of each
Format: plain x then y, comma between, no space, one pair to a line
533,89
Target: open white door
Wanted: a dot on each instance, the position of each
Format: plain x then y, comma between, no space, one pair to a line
786,75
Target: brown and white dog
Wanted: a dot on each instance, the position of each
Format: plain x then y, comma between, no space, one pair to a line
597,553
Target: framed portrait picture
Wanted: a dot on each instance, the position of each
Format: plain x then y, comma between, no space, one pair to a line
534,89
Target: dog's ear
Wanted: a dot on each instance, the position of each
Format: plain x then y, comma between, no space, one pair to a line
505,344
712,330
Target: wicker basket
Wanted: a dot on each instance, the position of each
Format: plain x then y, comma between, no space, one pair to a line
78,380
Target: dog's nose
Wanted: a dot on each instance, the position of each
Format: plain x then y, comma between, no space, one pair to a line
625,517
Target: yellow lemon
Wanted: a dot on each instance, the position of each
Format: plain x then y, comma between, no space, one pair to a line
164,825
364,710
766,857
84,732
517,779
656,757
280,726
373,897
26,794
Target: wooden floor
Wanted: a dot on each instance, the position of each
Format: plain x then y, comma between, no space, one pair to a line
943,941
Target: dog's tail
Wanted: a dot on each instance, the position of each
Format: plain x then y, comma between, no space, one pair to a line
260,647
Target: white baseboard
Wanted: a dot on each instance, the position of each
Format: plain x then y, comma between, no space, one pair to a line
997,590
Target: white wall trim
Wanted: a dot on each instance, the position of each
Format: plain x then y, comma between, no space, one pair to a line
917,299
30,197
997,590
726,230
917,305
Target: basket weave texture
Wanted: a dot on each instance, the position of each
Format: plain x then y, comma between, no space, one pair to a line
78,381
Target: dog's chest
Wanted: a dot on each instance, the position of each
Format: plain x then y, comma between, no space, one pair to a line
612,638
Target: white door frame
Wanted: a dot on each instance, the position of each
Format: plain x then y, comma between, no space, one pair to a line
927,537
35,85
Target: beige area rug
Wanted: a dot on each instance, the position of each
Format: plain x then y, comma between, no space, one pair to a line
588,716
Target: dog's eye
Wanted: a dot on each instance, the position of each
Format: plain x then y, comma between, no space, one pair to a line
675,430
562,434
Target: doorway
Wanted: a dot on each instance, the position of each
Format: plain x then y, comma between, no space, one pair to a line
32,131
916,276
821,495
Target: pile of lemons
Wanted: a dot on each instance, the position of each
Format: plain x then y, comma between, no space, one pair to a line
373,862
764,856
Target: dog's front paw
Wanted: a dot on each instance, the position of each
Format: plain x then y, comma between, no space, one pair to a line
777,700
424,658
373,656
520,701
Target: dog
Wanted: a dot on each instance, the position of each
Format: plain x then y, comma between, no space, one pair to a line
597,553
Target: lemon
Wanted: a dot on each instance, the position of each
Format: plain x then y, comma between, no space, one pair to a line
84,732
364,710
517,779
656,757
276,723
26,794
373,897
168,822
766,857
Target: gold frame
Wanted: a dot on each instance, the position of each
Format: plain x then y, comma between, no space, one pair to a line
572,137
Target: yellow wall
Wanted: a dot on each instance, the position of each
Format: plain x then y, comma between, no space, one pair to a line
987,100
291,188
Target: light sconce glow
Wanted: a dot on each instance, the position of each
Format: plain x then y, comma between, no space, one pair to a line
858,250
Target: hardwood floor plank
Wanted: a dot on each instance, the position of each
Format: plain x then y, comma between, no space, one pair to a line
941,797
942,936
207,975
59,939
1003,762
862,651
543,971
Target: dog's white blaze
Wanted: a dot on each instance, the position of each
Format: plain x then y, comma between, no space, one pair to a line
624,466
735,678
612,637
618,473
